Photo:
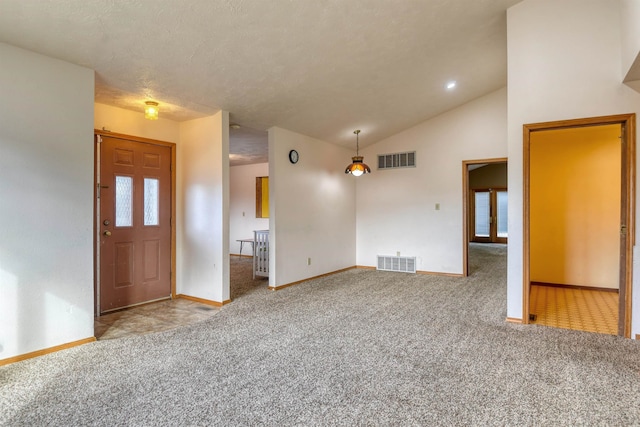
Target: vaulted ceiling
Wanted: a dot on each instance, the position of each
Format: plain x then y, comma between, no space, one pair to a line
318,67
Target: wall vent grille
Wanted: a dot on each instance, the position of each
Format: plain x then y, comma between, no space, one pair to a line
397,160
403,264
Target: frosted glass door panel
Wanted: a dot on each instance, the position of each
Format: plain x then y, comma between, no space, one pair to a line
124,201
151,206
502,214
483,206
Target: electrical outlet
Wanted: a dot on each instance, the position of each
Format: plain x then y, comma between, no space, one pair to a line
437,206
308,261
398,253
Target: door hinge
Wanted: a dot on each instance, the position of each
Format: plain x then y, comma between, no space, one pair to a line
623,230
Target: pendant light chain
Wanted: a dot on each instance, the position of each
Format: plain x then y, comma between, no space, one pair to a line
357,167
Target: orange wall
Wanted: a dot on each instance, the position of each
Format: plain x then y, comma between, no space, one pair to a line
575,206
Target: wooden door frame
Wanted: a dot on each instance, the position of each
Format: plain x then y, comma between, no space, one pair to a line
627,211
465,206
96,237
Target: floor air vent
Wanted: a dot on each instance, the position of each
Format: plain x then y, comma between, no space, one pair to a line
405,264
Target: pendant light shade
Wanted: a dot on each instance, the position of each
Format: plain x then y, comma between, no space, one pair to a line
151,110
357,167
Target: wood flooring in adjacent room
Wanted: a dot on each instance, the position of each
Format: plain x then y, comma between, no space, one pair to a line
577,309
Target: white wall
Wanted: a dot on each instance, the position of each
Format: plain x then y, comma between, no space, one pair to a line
564,62
46,208
133,123
203,216
242,205
630,14
396,208
311,208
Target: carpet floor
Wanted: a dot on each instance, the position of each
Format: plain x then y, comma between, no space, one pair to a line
360,347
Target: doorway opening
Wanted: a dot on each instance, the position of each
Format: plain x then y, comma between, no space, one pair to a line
485,196
248,209
578,230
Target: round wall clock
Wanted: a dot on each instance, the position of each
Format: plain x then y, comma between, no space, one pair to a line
294,156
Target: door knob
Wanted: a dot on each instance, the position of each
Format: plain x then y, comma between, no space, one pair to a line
107,233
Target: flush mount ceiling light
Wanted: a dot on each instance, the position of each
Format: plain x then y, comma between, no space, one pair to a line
151,110
357,168
234,126
451,85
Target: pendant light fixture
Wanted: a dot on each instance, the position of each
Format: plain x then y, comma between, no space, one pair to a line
151,110
357,168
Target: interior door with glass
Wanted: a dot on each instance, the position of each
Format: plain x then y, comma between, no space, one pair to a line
134,223
489,216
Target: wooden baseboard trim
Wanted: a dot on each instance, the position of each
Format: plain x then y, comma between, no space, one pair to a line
514,320
203,301
638,336
44,351
435,273
365,267
576,287
277,288
240,256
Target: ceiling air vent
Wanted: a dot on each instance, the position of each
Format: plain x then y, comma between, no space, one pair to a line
397,160
405,264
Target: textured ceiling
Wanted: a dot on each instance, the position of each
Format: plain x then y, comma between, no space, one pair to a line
248,146
319,67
